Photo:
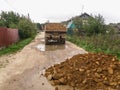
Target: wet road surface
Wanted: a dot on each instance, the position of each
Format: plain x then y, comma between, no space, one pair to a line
26,72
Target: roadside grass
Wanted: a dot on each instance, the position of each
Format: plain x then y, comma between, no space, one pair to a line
15,47
109,44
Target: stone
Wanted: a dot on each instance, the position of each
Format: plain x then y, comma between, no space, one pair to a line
110,70
97,75
49,77
97,63
81,70
99,70
56,88
62,81
57,76
84,81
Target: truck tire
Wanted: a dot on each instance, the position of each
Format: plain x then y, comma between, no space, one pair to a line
46,41
63,41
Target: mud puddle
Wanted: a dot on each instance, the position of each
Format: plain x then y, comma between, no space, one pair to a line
43,47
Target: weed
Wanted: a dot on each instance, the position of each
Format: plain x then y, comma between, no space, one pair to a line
15,47
107,43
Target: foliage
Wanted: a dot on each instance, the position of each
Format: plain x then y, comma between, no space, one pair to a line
15,47
106,43
8,18
26,28
110,29
38,26
14,20
92,25
95,25
78,24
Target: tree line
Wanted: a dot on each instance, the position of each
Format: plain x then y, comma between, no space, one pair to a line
94,25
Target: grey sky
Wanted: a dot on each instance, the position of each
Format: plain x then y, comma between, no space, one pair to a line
60,10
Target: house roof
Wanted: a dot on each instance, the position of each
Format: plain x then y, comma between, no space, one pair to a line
84,15
55,26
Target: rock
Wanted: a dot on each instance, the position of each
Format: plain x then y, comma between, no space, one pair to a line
110,70
99,70
42,83
55,82
77,69
113,83
106,83
72,84
113,59
97,63
63,81
57,76
88,71
97,75
49,77
81,70
56,88
84,81
105,78
113,66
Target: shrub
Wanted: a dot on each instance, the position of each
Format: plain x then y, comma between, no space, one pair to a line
26,28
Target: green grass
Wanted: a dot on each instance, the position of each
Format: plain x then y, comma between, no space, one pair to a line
109,44
15,47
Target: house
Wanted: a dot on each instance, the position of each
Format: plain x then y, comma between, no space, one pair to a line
116,27
84,17
71,25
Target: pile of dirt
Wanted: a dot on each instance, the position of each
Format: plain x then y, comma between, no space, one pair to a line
87,72
55,26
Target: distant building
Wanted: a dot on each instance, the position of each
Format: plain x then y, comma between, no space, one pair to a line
70,27
84,17
116,27
70,24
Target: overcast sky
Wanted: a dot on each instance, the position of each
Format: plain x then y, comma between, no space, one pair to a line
61,10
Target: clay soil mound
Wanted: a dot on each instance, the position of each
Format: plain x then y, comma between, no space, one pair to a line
87,72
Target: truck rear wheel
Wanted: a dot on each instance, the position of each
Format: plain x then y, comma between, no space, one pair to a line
46,41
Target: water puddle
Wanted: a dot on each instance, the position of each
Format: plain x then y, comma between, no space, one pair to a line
43,47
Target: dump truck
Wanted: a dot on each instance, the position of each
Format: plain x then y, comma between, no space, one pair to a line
55,33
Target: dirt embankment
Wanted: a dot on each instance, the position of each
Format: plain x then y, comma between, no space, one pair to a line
87,72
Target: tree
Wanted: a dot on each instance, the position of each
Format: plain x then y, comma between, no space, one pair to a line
90,26
78,24
8,18
26,28
95,25
14,20
38,26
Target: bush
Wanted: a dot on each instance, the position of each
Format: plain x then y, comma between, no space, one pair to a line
107,43
14,20
26,28
95,26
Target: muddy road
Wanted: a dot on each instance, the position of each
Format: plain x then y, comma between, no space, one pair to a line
26,68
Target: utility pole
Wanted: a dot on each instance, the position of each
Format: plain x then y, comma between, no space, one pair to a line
28,16
82,9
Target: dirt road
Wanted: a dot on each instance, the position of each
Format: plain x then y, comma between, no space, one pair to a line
26,68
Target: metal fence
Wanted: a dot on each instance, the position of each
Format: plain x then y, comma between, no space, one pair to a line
8,36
